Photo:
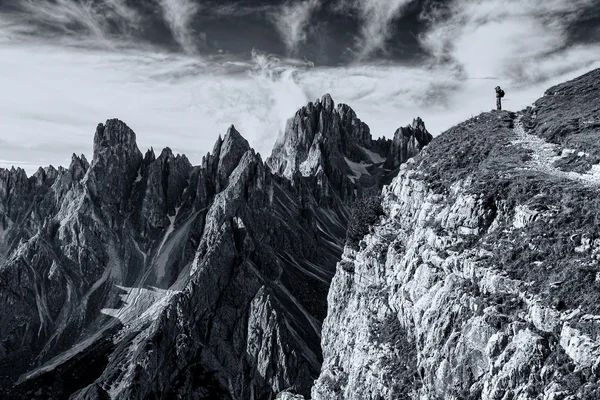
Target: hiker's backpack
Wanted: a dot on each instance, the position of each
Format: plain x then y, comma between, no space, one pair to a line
501,93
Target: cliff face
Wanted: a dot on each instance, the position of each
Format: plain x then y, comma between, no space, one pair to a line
142,276
482,279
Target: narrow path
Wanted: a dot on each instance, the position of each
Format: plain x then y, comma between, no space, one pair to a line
544,155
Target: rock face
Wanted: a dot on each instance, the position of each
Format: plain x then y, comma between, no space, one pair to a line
141,276
482,279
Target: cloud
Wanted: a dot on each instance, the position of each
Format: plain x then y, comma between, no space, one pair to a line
292,20
85,17
515,41
59,94
239,9
68,16
179,15
109,23
376,17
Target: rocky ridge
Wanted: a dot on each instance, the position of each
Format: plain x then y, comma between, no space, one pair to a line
142,276
482,278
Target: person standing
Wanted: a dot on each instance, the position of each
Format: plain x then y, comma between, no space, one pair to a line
499,96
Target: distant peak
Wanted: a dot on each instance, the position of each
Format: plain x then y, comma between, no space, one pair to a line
149,156
78,167
417,129
115,163
234,139
166,153
327,102
408,141
419,125
320,137
114,134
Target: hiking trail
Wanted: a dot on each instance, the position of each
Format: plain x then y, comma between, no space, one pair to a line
544,154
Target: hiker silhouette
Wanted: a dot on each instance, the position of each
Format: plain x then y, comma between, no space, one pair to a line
499,96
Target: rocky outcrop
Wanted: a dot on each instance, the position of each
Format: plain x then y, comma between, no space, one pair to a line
141,276
481,280
408,142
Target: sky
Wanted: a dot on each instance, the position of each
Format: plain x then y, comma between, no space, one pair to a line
180,72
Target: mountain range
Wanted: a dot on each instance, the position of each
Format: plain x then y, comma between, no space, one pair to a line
341,267
214,277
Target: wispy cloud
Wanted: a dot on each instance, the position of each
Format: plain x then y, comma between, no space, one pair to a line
68,16
83,17
520,42
179,15
109,22
123,11
292,21
239,9
377,17
59,94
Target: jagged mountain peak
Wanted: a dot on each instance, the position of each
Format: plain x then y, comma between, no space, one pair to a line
116,161
327,102
418,124
79,158
78,167
166,153
314,129
17,171
417,129
114,135
45,174
233,142
149,156
408,141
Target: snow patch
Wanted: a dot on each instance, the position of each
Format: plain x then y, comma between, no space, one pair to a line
358,169
239,224
170,229
139,175
172,237
375,158
140,306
